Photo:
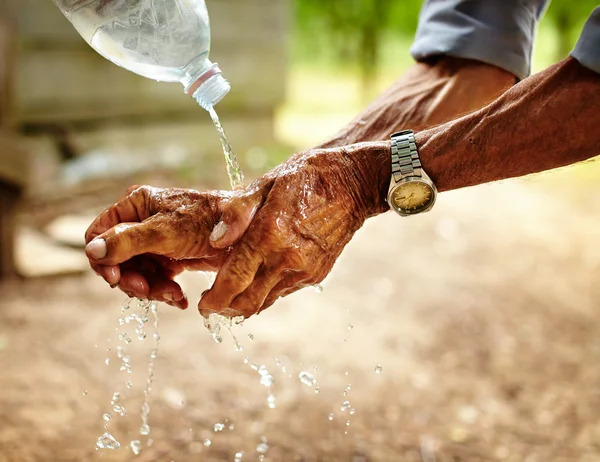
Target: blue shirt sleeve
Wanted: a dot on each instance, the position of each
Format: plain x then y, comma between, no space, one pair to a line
587,50
498,32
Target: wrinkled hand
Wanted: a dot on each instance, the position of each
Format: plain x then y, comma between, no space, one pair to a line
307,210
151,235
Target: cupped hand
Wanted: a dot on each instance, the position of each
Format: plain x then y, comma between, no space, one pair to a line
151,235
307,210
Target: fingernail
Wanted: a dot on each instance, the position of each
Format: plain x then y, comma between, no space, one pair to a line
97,249
168,296
219,231
113,277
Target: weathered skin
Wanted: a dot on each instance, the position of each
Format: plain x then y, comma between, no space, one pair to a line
286,230
152,234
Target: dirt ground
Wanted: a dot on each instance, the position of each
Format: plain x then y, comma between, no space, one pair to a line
484,316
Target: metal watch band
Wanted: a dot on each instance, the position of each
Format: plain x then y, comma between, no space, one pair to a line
405,157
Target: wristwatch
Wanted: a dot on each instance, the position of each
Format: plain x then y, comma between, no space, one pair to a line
411,190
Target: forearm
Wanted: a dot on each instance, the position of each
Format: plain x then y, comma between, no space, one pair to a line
427,94
549,120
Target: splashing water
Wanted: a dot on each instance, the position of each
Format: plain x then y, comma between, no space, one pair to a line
107,441
262,448
219,427
136,446
307,379
117,401
145,428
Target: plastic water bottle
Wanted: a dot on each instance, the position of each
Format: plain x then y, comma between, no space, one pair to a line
164,40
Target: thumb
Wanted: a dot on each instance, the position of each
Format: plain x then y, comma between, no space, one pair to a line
127,240
238,213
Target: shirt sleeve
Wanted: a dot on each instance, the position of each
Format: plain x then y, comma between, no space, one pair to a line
587,50
498,32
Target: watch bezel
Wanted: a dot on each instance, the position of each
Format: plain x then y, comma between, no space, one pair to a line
411,179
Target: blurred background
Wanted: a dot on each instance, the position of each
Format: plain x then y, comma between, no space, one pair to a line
479,342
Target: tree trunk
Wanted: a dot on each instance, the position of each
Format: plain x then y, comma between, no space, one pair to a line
563,29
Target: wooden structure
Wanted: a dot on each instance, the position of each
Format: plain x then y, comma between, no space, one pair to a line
62,79
13,161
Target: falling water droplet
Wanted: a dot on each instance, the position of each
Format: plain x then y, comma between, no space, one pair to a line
119,410
239,456
107,361
129,384
378,369
307,379
107,441
345,406
350,326
250,337
136,446
219,427
347,423
144,429
106,417
85,392
266,378
331,416
231,427
262,448
352,411
271,401
207,442
318,288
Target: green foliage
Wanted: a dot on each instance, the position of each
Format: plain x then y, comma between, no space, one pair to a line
352,32
568,17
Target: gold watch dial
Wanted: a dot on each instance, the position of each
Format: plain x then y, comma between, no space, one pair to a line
412,197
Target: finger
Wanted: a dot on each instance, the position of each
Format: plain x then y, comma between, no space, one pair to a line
235,276
237,216
252,299
130,208
127,240
158,274
168,291
134,284
111,274
285,287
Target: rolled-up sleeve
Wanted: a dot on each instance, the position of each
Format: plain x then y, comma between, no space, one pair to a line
587,50
498,32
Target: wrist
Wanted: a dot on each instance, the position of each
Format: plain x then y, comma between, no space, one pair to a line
369,176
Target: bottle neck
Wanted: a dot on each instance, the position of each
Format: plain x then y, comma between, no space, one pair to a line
204,82
211,91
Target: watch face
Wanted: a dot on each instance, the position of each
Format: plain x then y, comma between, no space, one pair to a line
412,197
